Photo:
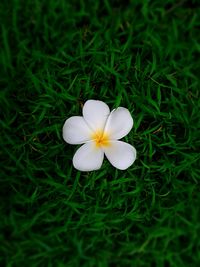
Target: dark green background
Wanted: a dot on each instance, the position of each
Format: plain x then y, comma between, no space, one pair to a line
143,55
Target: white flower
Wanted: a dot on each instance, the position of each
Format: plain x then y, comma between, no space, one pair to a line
100,130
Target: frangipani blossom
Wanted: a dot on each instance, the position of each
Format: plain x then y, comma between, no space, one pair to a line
100,130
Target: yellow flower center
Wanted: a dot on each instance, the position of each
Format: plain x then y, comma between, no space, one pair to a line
101,139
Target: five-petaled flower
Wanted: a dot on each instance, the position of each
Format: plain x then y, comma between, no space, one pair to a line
99,130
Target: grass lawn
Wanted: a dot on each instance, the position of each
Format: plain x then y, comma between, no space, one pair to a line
142,55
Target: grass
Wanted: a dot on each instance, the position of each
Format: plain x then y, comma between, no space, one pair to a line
142,55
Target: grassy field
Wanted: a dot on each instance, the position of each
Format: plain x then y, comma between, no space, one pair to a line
142,55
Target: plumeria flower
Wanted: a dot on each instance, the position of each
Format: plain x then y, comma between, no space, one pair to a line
99,130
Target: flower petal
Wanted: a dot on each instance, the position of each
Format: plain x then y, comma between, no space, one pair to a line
95,113
120,154
119,123
88,157
76,131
